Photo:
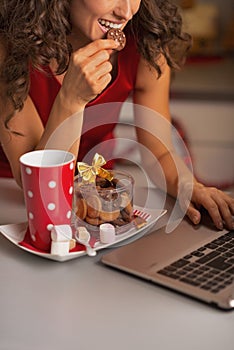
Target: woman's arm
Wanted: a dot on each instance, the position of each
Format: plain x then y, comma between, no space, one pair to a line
153,124
87,75
153,127
25,133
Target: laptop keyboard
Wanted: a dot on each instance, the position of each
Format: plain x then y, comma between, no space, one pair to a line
210,267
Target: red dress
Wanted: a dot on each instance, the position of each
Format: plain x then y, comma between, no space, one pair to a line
101,114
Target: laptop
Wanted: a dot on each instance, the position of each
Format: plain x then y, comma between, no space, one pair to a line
197,262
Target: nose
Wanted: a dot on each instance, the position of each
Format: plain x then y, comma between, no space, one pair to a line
123,10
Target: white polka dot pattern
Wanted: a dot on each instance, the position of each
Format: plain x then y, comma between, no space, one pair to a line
48,196
30,194
51,206
52,184
28,171
31,216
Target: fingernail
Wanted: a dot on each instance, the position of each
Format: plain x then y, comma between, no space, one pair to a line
195,220
220,225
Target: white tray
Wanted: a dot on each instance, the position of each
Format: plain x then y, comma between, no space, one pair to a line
16,232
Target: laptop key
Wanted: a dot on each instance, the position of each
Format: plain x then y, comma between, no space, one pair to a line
228,245
187,257
168,274
219,263
180,263
231,270
170,268
218,242
189,281
188,268
201,249
228,254
208,257
222,249
211,246
201,279
198,254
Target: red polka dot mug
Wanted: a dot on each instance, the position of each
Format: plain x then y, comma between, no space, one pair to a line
47,178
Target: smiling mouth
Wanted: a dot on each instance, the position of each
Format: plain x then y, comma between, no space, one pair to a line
106,25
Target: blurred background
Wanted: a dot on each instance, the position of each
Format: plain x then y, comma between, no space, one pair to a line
202,94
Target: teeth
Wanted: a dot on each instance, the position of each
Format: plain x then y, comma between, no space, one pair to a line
109,24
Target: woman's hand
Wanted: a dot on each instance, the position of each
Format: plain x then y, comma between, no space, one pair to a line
219,205
88,73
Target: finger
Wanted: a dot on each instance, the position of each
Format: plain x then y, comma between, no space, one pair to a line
213,209
225,208
230,202
89,63
98,77
193,214
98,69
104,81
95,66
98,45
98,85
102,70
227,216
215,205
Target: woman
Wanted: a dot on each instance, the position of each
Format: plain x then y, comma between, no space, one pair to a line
56,63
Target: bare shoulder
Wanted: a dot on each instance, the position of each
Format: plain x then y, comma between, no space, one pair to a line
151,90
20,132
147,76
26,121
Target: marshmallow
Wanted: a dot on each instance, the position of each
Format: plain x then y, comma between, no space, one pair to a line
61,233
60,248
107,233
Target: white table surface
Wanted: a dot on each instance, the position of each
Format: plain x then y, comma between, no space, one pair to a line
81,304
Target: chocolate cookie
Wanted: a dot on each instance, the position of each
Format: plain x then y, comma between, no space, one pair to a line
94,221
117,35
81,208
109,216
94,206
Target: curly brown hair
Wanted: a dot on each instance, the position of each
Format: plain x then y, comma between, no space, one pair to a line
157,27
33,32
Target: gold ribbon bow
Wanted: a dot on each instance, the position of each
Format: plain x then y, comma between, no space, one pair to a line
89,172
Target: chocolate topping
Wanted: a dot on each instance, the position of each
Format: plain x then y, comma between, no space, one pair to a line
117,35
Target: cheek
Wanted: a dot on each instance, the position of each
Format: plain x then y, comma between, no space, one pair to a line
93,7
135,6
74,5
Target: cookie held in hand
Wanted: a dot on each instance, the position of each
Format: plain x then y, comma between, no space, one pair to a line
117,35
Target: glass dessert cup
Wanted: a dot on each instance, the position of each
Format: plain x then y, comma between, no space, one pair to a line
105,201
